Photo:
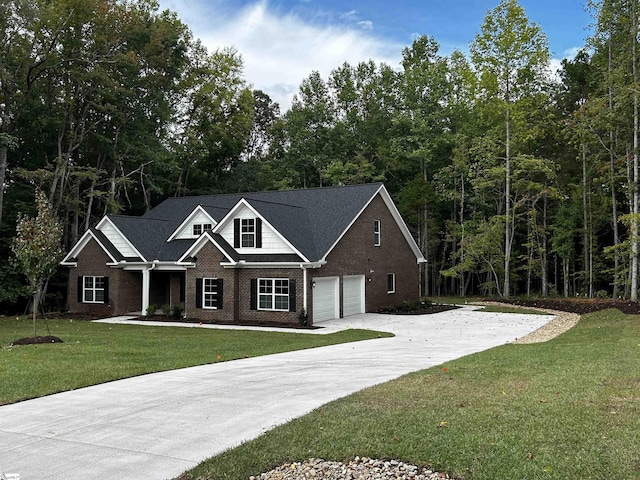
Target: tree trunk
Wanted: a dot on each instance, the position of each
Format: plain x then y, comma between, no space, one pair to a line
87,218
507,198
612,183
36,296
463,285
634,221
3,170
585,219
530,243
75,215
545,259
425,239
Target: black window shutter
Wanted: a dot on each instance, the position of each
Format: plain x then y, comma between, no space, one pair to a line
219,294
292,295
236,233
80,288
198,293
106,290
254,294
182,288
258,233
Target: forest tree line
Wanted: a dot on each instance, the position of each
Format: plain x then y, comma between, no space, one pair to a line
515,180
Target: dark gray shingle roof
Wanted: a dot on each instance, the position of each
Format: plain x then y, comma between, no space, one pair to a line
312,220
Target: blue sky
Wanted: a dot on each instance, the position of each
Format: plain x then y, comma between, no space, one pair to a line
283,41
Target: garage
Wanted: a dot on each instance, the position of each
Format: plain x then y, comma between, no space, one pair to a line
325,299
353,295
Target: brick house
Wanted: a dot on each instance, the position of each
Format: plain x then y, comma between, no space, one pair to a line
252,257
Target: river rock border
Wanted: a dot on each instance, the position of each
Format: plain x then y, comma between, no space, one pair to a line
360,468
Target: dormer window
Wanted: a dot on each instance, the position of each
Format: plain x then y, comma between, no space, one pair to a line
248,238
247,233
200,228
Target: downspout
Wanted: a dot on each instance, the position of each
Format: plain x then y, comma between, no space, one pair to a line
304,289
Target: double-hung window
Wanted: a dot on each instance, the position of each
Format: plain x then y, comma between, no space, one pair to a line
376,233
209,293
273,294
248,232
93,290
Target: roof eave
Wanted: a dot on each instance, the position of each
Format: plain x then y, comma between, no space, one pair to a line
244,264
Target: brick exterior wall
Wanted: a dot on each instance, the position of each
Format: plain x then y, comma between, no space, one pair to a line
356,254
244,295
236,303
208,266
125,288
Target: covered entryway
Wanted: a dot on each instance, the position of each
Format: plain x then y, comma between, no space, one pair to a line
325,299
353,295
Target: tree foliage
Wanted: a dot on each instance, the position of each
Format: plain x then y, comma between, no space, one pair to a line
38,249
513,181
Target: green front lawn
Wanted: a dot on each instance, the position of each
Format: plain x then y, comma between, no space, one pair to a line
565,409
95,353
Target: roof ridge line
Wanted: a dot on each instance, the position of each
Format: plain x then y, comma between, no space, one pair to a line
272,203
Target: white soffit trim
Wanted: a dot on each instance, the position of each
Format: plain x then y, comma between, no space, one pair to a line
79,246
106,219
244,203
196,211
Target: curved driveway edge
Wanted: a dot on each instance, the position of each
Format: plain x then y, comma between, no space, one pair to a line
159,425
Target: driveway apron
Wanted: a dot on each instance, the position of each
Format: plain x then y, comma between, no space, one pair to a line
157,426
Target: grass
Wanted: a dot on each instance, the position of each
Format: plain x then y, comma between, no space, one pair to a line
95,353
567,408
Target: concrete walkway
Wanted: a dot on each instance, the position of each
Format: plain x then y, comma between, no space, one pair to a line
157,426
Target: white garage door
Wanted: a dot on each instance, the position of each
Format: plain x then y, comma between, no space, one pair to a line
353,295
325,299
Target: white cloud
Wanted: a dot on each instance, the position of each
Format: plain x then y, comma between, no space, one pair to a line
571,53
280,48
351,14
555,64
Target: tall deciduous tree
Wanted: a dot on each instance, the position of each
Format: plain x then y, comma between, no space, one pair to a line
511,55
214,121
38,248
23,59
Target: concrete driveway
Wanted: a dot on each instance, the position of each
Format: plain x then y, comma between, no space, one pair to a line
157,426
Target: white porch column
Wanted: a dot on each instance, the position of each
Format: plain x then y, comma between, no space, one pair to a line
146,283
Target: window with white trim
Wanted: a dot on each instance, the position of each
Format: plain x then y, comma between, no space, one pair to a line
209,293
376,233
93,290
248,232
391,282
273,294
200,228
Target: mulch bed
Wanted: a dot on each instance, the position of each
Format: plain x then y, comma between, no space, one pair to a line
579,305
38,340
423,310
164,318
